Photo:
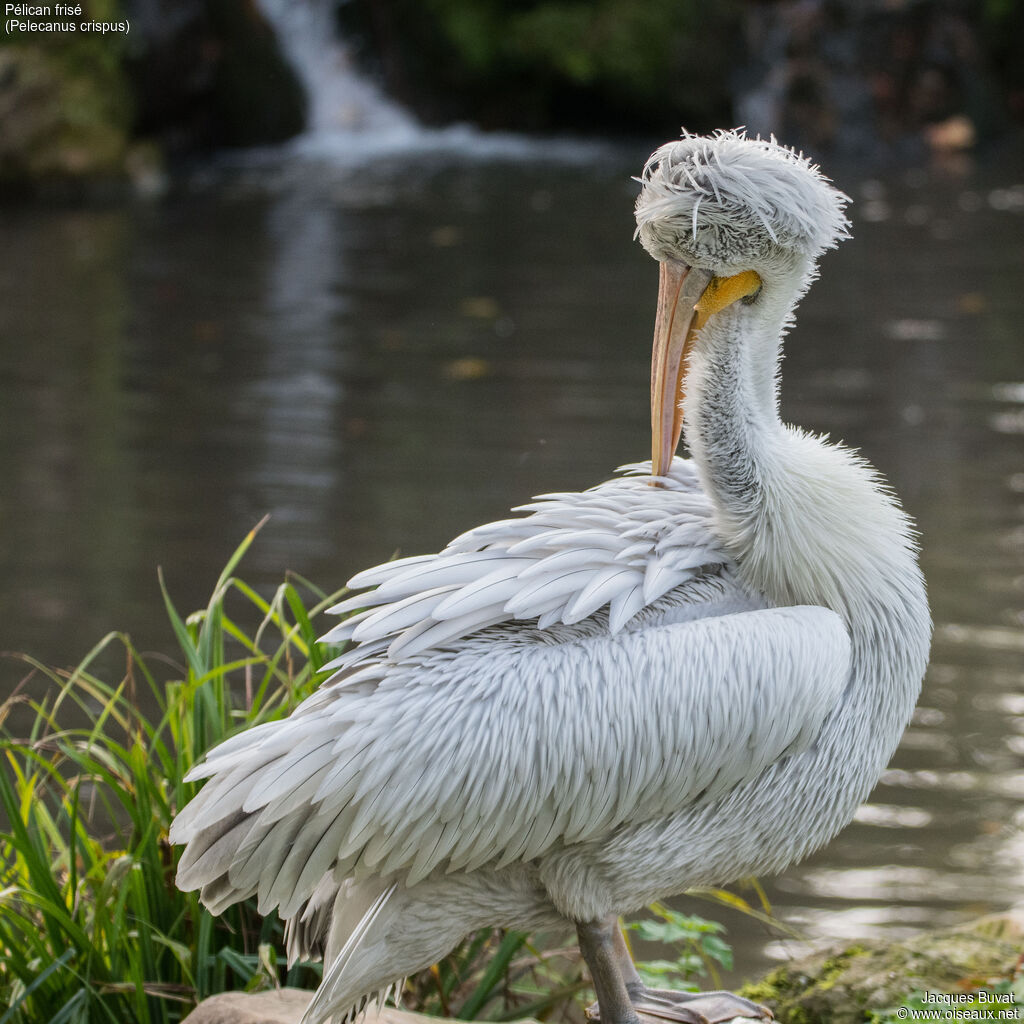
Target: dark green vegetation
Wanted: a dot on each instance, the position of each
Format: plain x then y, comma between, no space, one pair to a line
597,64
839,75
92,927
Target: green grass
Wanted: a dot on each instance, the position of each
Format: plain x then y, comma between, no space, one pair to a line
93,929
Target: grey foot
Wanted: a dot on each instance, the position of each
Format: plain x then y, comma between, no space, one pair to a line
691,1007
676,1013
714,1007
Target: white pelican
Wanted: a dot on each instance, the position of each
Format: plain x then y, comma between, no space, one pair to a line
685,676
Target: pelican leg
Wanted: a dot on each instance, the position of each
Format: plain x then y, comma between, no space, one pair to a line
597,944
669,1004
634,986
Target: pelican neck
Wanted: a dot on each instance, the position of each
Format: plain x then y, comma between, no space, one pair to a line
806,521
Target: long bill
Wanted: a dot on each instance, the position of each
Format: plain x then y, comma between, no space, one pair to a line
679,291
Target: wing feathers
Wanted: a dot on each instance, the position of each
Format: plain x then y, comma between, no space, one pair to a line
381,573
517,749
551,566
603,586
452,737
624,605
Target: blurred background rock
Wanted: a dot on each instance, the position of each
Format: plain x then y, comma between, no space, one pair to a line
875,79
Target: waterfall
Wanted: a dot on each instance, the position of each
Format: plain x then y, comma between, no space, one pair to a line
351,120
342,101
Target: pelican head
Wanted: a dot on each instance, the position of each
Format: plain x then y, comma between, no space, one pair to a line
729,219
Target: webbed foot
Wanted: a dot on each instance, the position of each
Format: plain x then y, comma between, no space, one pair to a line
690,1007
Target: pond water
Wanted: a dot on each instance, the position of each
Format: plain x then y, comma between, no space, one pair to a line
384,356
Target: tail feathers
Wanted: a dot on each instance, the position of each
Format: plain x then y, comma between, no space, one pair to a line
238,856
378,933
226,793
305,934
220,894
342,994
280,860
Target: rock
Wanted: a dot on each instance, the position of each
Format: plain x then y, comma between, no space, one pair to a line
84,113
1008,926
60,122
284,1006
210,73
841,985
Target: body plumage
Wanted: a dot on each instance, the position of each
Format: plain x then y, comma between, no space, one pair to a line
692,673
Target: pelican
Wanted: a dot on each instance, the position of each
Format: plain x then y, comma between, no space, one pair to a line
688,675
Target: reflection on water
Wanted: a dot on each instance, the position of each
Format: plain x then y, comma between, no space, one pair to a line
383,358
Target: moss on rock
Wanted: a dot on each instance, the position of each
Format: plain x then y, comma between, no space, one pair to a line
82,107
59,123
843,985
65,103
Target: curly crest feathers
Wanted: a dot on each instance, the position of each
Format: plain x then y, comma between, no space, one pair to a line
728,199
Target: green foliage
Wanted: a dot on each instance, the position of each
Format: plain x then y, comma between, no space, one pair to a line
92,927
999,10
629,47
499,975
701,950
540,63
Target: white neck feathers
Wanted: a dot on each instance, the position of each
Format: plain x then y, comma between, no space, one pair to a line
807,522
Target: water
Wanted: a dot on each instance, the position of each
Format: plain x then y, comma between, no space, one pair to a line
384,357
